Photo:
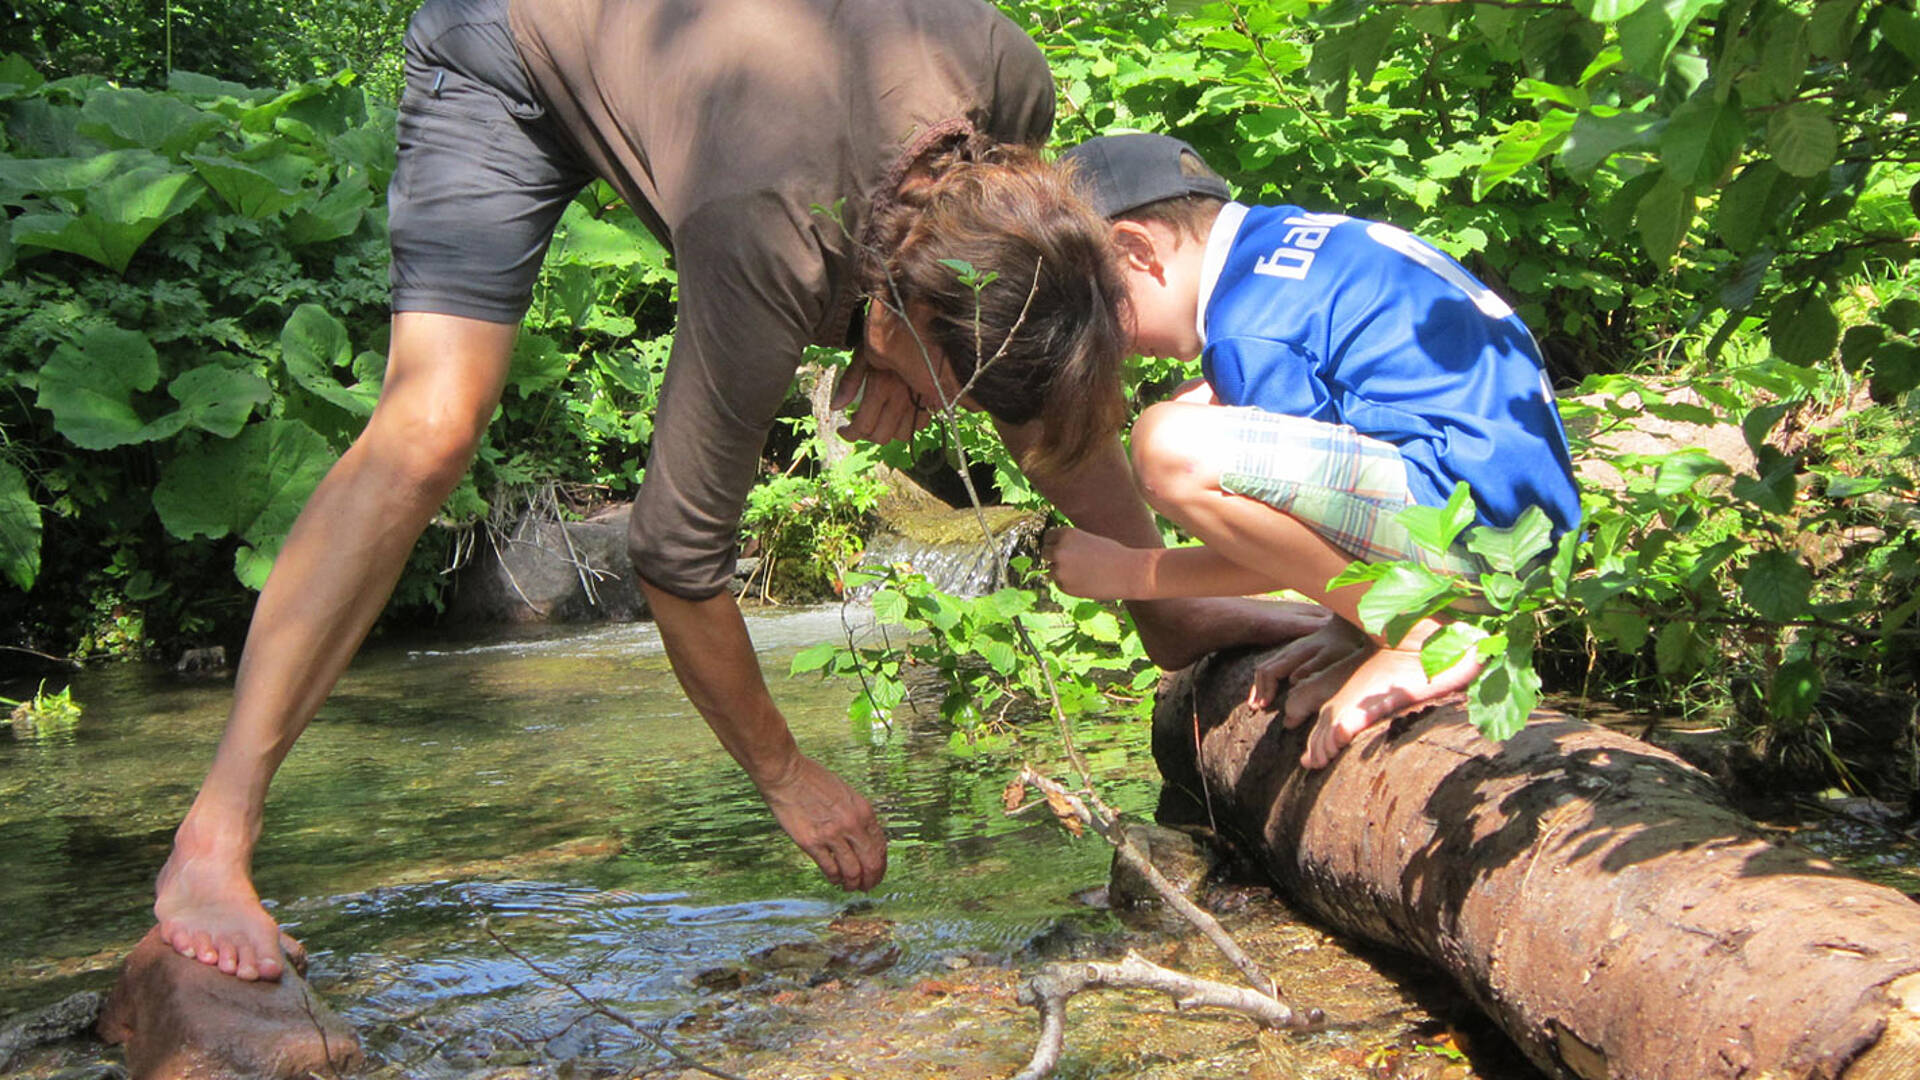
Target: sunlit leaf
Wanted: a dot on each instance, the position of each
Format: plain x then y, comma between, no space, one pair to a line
1803,139
312,345
1435,528
1511,549
1680,470
1448,647
1503,696
1795,689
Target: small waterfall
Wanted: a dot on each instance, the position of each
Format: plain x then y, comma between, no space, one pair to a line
948,548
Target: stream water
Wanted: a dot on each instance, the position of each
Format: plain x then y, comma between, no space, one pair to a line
561,793
561,788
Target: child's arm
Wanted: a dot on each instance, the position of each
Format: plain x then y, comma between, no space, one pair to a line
1100,569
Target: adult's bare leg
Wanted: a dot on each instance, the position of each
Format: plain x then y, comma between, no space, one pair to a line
329,584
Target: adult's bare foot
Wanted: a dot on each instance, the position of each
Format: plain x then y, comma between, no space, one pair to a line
208,910
1175,633
1384,685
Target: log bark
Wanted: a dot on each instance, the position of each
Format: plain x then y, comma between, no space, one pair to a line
1597,897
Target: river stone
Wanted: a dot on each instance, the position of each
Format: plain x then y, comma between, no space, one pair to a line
182,1019
538,572
64,1019
1181,858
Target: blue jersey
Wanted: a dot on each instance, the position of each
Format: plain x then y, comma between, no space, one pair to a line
1359,323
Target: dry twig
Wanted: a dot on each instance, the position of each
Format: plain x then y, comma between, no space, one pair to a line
1056,983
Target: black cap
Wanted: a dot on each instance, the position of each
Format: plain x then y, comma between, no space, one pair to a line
1119,173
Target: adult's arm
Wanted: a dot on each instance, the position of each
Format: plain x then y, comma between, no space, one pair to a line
714,660
742,326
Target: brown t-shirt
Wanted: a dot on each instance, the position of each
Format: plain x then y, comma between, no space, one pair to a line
724,123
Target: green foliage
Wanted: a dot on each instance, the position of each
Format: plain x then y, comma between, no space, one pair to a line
171,337
142,42
45,711
811,529
972,649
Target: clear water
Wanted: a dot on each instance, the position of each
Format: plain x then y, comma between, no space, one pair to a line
450,784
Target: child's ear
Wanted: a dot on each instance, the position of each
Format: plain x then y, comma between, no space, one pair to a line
1137,246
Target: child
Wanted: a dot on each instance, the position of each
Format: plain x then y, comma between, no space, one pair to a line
1361,371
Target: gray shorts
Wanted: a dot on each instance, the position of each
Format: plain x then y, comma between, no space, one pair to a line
483,173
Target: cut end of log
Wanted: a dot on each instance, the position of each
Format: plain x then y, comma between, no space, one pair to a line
1895,1055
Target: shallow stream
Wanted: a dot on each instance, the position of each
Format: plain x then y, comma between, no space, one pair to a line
560,792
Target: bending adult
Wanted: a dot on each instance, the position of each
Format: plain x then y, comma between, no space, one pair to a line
728,125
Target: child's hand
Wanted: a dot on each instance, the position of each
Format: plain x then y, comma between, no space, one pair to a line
1084,564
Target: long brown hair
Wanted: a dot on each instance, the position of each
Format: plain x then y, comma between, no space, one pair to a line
1038,330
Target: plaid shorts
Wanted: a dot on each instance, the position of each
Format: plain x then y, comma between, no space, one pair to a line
1345,486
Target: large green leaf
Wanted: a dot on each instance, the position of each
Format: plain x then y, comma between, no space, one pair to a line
1648,36
1663,218
212,398
1595,137
1702,138
1504,694
1435,528
256,189
1777,585
19,528
1803,328
1803,139
18,77
337,214
585,240
69,176
1509,550
137,118
89,385
1403,596
314,343
1522,145
251,486
119,216
1742,217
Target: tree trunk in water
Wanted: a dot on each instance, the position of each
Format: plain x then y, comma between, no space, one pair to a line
1596,896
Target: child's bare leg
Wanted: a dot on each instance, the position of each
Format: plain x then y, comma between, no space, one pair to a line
1178,455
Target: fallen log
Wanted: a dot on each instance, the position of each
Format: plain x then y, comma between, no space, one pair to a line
1597,897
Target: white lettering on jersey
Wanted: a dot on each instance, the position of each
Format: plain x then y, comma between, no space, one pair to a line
1404,242
1294,257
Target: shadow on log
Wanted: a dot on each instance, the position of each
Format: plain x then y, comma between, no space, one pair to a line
184,1020
1597,897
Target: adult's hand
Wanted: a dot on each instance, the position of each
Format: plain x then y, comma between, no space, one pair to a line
832,823
884,407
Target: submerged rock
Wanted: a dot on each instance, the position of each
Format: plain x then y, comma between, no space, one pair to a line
1182,858
64,1019
183,1019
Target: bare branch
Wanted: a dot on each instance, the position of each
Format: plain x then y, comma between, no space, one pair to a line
1107,824
1056,983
